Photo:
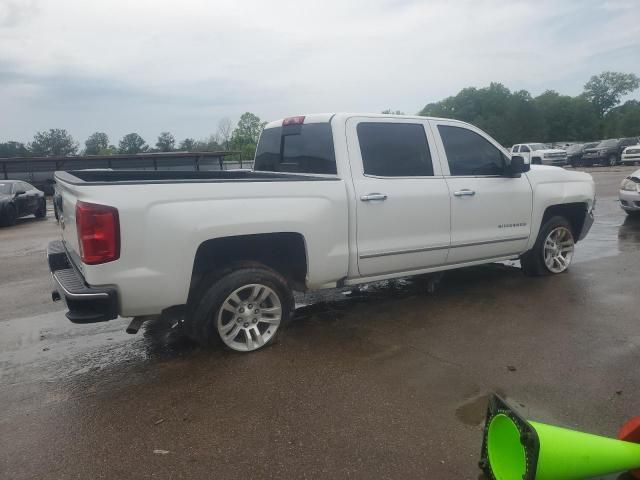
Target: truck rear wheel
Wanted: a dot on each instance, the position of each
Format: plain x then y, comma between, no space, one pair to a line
244,309
553,251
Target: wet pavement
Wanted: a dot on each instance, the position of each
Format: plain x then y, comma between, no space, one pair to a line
385,381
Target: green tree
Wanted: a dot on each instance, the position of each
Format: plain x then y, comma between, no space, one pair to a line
623,121
13,149
248,129
209,144
110,150
604,91
508,117
166,142
54,142
132,143
96,143
246,134
187,145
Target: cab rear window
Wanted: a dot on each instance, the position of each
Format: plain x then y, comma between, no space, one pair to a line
296,149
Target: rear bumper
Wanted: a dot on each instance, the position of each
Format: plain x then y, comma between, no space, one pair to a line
86,304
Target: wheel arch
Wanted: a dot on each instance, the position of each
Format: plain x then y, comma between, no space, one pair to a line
574,212
284,252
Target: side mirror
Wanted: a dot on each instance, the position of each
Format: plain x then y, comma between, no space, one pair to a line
19,192
517,166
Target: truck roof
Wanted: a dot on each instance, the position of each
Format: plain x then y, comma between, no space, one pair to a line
326,117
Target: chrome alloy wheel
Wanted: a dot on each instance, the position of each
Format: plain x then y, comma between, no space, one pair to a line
558,249
249,317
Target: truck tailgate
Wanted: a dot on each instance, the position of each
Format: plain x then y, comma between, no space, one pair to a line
65,202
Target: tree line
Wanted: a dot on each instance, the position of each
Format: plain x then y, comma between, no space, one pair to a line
517,117
510,117
242,138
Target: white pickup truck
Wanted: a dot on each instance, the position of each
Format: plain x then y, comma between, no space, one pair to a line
333,200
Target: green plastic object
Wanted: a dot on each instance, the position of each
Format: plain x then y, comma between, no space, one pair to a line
516,449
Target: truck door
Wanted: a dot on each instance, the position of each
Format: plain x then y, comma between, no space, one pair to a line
402,199
490,212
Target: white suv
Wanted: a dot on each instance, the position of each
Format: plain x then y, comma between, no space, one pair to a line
540,154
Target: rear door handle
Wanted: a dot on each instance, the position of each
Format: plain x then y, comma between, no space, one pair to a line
373,196
465,192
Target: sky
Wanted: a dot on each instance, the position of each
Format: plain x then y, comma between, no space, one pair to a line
148,66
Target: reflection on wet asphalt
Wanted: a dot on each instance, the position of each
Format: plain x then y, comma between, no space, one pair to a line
375,381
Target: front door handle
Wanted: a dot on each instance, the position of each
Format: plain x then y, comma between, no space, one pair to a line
465,192
373,196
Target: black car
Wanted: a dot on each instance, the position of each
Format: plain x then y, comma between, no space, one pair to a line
576,151
18,199
608,152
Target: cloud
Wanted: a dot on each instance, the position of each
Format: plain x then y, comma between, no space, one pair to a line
14,12
154,64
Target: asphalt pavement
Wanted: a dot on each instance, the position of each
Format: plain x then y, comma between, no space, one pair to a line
385,381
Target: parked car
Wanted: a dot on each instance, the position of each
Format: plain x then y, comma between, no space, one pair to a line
540,154
575,153
19,199
630,194
332,201
631,155
608,152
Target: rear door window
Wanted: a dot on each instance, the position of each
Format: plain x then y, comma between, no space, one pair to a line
394,149
306,148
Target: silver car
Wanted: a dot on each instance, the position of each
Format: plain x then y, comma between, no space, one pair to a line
630,194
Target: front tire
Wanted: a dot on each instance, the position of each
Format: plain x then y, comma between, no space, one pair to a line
244,310
553,251
612,161
9,216
41,212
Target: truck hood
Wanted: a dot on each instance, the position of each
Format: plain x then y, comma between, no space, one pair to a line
551,150
547,173
598,150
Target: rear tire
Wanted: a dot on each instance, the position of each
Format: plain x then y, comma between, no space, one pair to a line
243,309
536,161
553,251
575,163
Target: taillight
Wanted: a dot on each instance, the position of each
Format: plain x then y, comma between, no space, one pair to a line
98,233
299,120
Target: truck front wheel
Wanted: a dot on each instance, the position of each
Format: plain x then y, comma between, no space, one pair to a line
553,250
244,309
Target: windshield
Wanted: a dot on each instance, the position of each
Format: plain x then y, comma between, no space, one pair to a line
5,188
608,143
538,146
575,148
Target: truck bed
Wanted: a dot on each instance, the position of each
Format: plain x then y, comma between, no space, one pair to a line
128,177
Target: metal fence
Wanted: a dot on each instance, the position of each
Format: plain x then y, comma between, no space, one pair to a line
39,170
